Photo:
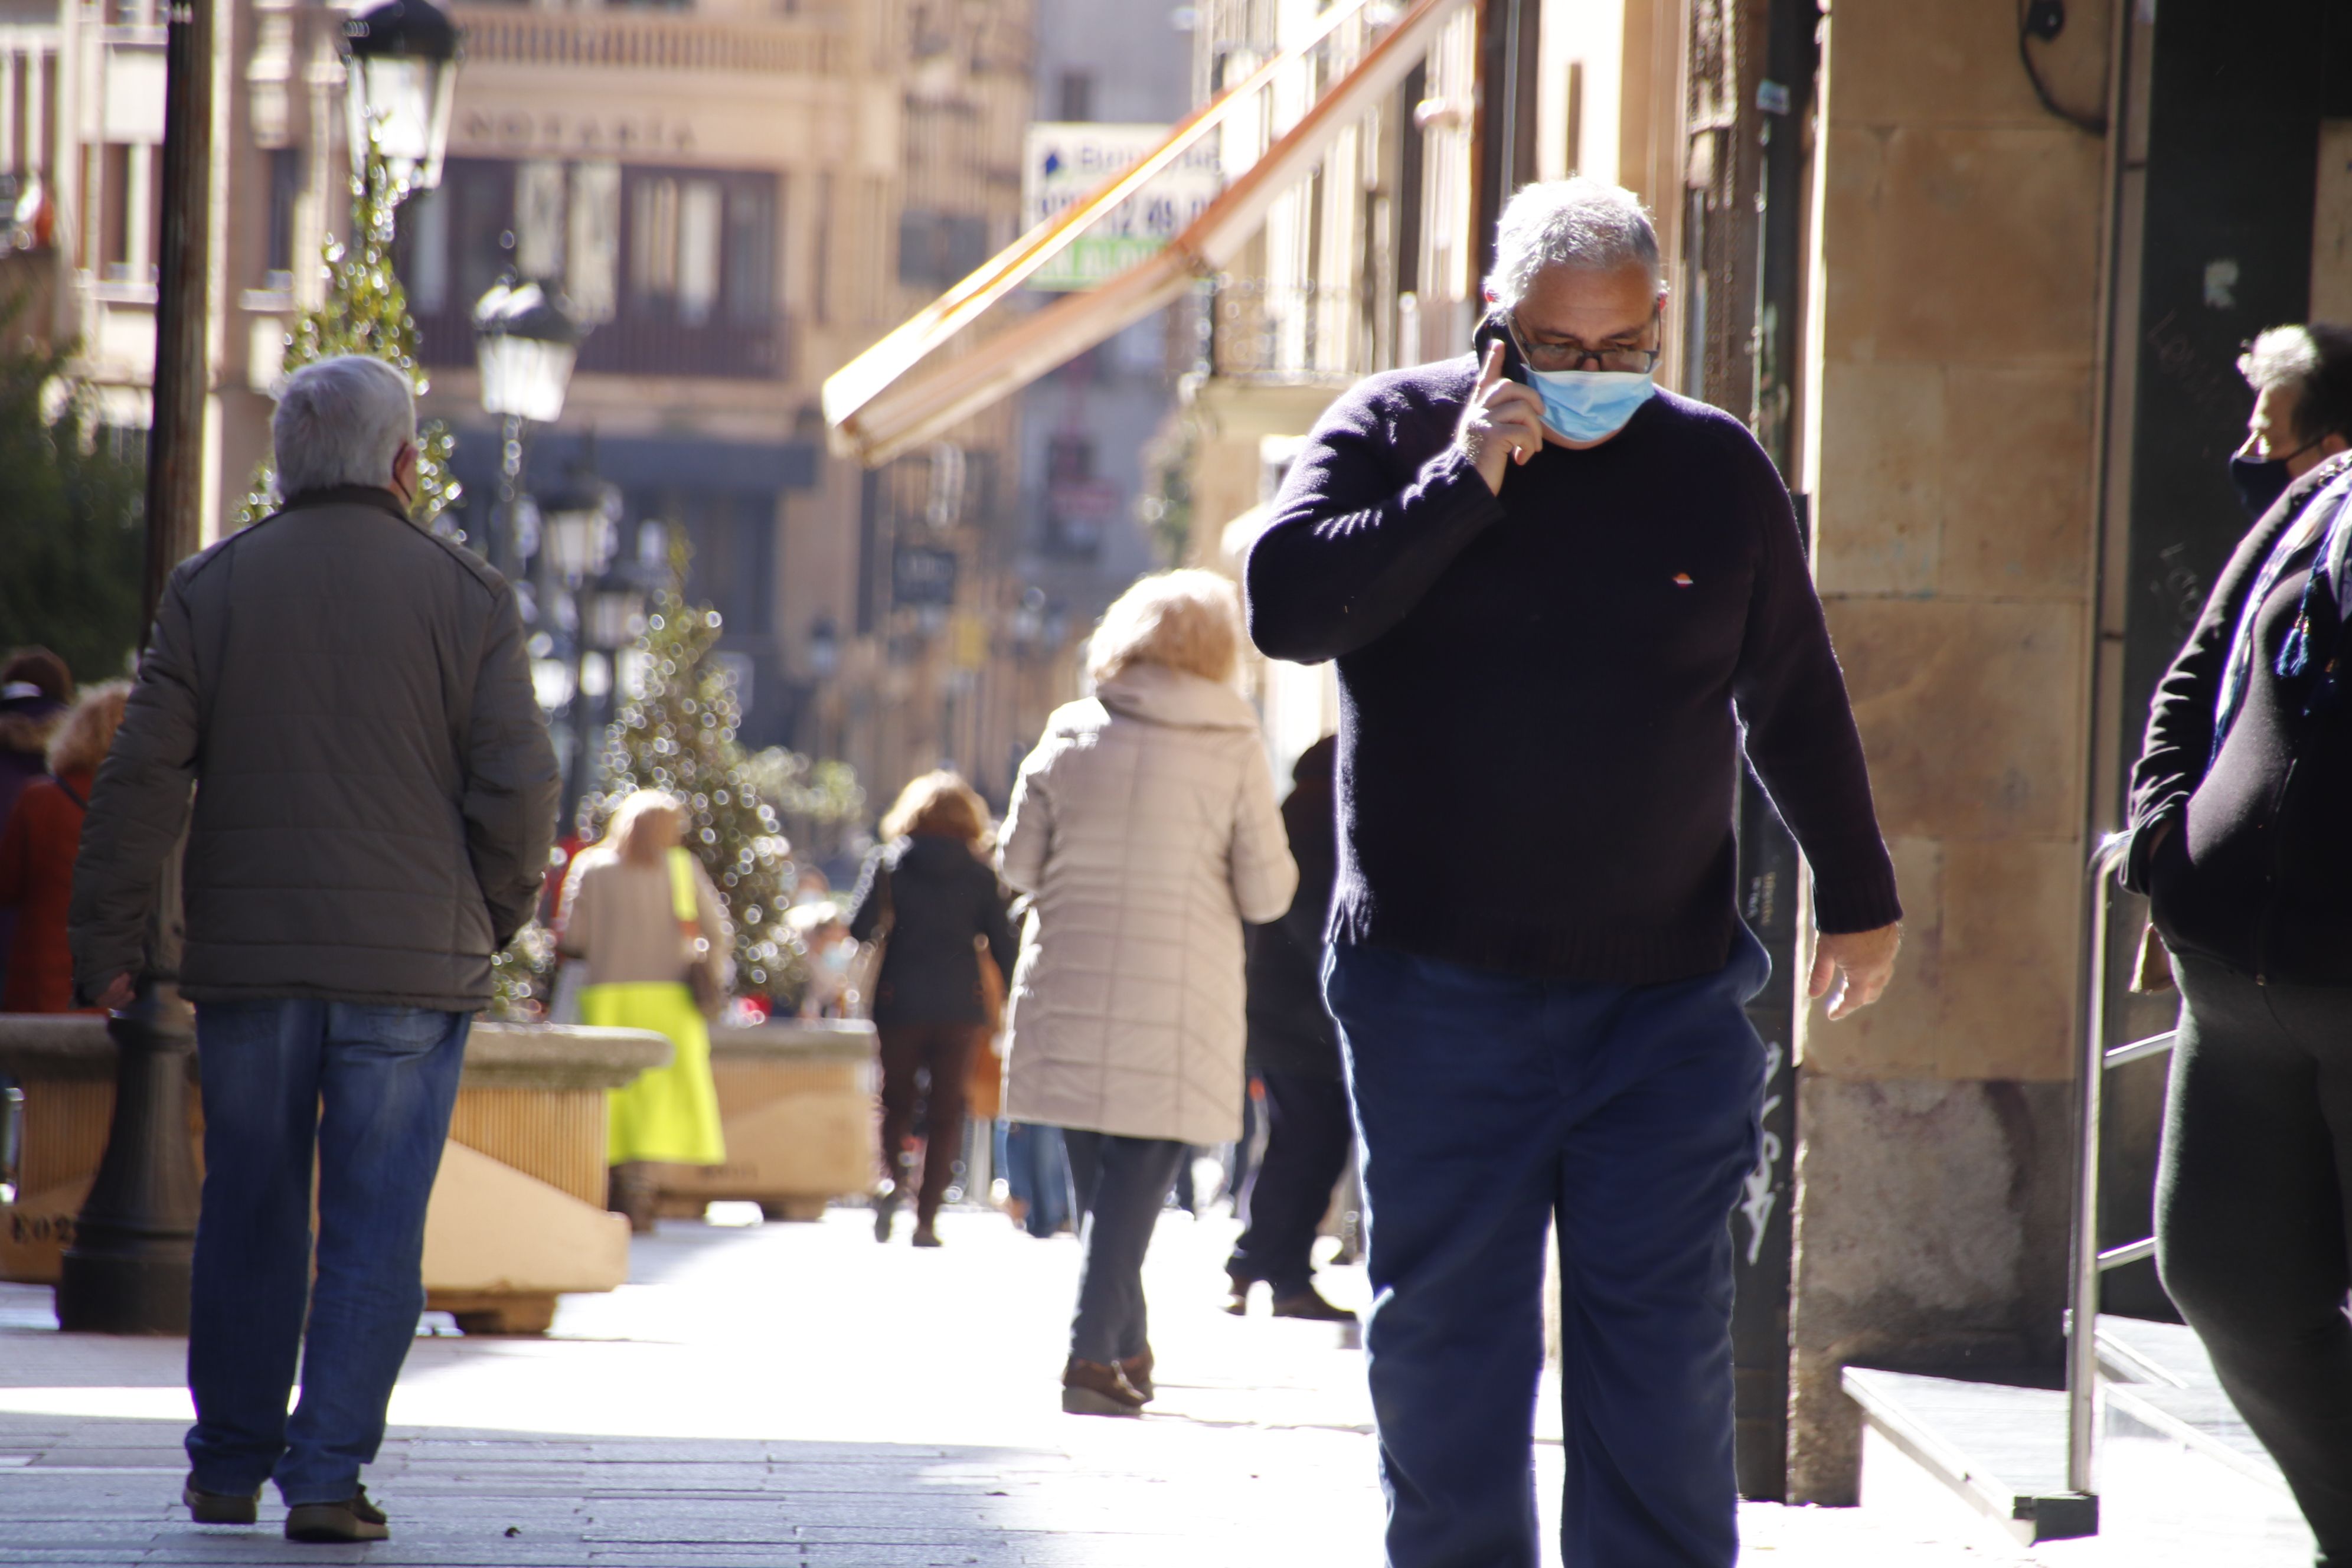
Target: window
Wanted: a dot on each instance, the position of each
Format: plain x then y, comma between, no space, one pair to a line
1069,459
592,241
675,269
453,243
936,248
285,191
1077,95
751,269
698,209
820,287
538,218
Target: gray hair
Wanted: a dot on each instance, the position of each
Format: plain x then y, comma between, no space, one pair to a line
341,421
1583,223
2313,361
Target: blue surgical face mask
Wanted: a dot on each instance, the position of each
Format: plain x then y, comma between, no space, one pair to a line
1590,405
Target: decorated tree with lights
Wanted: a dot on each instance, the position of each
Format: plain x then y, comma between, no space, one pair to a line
366,312
677,732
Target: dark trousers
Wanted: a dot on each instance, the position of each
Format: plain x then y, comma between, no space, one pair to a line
365,1092
2252,1192
1306,1150
1492,1108
1122,1185
945,1051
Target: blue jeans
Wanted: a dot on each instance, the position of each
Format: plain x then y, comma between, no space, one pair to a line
1491,1108
365,1092
1037,1170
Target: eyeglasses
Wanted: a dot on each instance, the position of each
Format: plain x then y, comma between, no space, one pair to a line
1614,357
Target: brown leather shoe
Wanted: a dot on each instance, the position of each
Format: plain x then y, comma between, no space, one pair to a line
1090,1388
1310,1303
1239,1305
1137,1369
353,1518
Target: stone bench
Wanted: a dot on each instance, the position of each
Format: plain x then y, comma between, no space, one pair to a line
517,1213
796,1104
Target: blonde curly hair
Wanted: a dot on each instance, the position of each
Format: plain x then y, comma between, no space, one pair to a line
1188,619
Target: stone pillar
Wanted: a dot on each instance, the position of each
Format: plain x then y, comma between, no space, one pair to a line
1948,447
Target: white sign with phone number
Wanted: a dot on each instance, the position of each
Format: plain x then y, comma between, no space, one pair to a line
1067,162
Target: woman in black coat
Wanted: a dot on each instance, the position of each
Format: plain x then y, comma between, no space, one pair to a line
932,898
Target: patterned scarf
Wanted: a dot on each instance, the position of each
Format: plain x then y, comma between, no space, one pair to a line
2327,519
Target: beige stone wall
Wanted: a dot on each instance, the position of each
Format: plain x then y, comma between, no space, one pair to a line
1949,455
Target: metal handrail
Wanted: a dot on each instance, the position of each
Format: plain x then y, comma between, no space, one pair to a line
2089,1261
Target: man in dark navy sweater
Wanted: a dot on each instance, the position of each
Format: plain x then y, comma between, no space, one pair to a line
1562,601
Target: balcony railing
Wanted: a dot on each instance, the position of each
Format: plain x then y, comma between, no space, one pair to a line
637,345
567,40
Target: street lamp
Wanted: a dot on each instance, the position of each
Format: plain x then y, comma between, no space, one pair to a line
525,341
615,611
401,74
579,526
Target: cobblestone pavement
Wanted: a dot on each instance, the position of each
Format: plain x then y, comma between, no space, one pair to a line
793,1394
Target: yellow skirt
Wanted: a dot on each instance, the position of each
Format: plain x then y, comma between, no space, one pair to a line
670,1113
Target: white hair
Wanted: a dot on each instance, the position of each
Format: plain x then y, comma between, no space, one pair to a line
341,421
2280,356
1583,223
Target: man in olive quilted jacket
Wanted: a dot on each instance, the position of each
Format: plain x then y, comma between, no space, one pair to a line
348,700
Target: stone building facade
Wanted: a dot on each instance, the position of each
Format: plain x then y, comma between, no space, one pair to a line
736,197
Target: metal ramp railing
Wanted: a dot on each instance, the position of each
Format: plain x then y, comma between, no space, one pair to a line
2089,1260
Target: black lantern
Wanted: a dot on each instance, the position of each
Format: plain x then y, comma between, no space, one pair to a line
614,610
525,340
401,71
579,526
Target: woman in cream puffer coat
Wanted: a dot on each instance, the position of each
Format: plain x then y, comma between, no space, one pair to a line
1145,827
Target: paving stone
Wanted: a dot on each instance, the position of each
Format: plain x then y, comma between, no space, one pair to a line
793,1396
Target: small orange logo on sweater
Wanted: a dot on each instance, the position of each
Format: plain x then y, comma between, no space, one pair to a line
1682,580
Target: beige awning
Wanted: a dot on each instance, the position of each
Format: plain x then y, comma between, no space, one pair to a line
892,397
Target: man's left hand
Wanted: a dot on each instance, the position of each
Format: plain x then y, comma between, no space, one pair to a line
1860,961
118,995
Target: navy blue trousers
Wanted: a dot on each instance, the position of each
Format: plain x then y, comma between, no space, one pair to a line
1492,1108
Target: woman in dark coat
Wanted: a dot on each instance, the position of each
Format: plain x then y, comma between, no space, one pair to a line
2241,840
932,900
1294,1048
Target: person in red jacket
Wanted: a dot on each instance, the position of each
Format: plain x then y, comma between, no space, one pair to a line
37,854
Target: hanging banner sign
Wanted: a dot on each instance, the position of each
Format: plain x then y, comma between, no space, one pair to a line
1069,160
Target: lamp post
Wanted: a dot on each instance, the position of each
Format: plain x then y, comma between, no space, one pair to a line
400,84
579,529
525,342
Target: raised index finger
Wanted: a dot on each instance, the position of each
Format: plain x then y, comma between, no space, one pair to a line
1491,371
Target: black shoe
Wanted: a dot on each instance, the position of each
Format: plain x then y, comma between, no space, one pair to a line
886,1207
1309,1304
219,1508
924,1234
325,1523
